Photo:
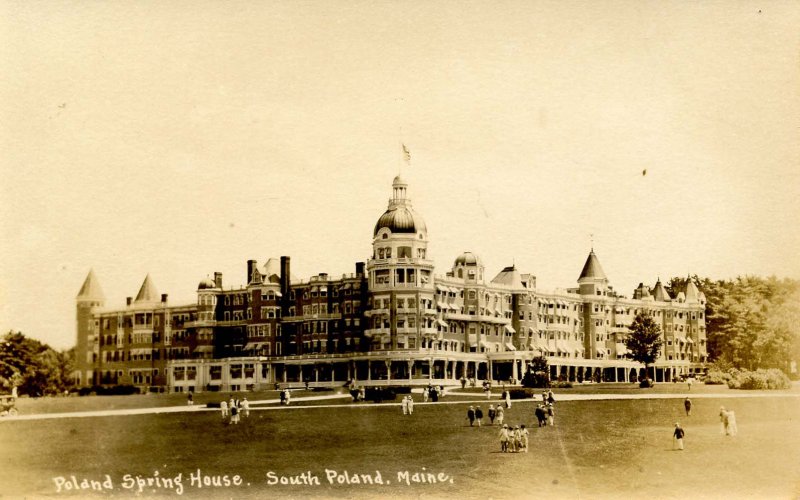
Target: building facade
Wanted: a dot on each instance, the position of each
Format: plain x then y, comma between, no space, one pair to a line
394,321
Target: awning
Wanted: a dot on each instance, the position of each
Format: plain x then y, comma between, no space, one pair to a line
346,286
314,288
600,351
442,288
455,290
441,323
510,329
689,340
253,346
621,349
204,348
442,305
484,344
278,294
510,346
530,331
454,307
323,289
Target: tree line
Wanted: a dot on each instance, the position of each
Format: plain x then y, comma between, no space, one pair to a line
34,368
751,322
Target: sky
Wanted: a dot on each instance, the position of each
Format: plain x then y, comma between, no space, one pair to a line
183,138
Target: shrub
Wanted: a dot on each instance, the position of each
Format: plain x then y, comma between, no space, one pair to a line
212,404
538,379
562,384
523,393
717,377
758,380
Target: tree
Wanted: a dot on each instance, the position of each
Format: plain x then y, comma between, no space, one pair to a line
33,367
644,340
537,374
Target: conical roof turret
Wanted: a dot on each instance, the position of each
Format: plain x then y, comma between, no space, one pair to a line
660,293
692,294
592,269
91,288
147,292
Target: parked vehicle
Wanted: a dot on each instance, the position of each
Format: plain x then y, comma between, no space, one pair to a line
8,406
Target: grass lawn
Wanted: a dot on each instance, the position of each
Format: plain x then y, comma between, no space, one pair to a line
597,449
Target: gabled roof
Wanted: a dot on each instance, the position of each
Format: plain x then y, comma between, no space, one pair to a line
91,288
660,293
592,268
147,292
510,277
272,270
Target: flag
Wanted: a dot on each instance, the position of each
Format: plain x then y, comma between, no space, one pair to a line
406,154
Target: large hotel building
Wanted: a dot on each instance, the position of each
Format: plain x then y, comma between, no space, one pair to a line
392,322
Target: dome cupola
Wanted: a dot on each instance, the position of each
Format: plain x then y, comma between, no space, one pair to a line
399,217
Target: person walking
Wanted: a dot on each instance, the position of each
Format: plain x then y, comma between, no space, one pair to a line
410,405
690,381
508,399
500,415
678,435
723,420
492,414
550,399
404,405
504,439
288,397
544,398
687,404
190,399
732,429
463,382
479,415
541,415
471,415
224,407
487,388
245,408
550,415
425,394
523,433
234,415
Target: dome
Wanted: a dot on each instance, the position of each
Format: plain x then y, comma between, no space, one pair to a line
399,181
467,259
400,219
206,284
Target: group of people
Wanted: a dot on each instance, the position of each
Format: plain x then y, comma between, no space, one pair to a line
432,392
727,424
407,404
286,396
514,440
475,415
234,409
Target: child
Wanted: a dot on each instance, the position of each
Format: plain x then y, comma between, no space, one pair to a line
523,434
504,439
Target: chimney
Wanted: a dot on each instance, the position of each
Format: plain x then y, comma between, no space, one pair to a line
285,277
359,268
218,280
163,298
251,265
128,300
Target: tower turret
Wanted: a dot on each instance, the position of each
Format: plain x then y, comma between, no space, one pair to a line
87,345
